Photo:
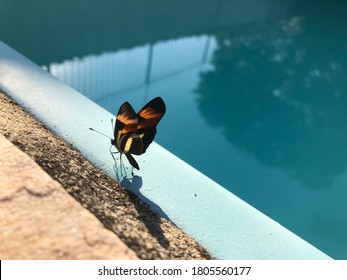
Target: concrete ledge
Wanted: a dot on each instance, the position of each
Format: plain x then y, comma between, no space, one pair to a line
225,225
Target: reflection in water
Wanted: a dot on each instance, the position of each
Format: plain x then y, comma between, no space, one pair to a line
105,75
280,99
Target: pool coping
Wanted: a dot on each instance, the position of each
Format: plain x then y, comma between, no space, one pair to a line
225,225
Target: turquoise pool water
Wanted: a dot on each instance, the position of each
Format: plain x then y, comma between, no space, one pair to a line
256,102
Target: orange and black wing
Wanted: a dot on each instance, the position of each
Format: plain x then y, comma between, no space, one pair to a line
134,132
126,121
125,131
148,118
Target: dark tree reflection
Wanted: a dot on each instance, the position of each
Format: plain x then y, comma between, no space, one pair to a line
279,92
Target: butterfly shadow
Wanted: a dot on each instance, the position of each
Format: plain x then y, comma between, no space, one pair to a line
150,219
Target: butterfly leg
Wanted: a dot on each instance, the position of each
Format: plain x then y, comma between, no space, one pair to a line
115,168
122,167
112,153
123,171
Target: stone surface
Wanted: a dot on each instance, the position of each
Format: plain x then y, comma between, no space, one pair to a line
128,217
40,220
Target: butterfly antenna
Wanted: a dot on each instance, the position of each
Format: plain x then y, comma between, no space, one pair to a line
100,133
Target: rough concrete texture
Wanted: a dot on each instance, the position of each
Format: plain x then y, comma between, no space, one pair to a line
40,220
141,229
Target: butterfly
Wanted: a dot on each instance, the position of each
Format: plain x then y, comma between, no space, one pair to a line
133,133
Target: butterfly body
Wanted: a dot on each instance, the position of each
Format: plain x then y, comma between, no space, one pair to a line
133,133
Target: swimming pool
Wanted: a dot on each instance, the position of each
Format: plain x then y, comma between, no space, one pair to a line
257,104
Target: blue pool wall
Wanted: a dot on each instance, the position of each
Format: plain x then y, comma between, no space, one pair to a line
225,225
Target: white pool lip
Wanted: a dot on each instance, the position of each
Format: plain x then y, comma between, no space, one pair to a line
225,225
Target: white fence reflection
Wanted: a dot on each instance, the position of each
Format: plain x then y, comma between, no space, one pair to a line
98,76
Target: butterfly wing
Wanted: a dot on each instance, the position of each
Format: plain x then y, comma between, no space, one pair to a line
126,138
134,132
126,121
132,161
148,118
